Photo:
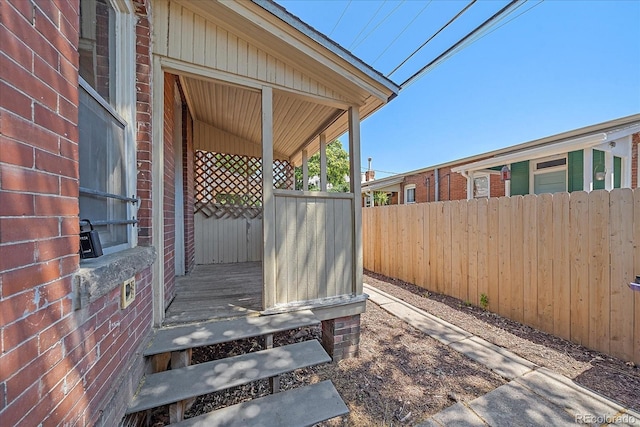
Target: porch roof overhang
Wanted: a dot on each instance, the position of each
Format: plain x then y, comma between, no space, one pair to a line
391,184
230,101
599,141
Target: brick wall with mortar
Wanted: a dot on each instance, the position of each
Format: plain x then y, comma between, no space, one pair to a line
59,365
189,188
169,189
455,189
341,337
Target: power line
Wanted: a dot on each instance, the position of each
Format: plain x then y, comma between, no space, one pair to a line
367,24
431,38
481,34
378,24
402,32
487,22
377,170
340,19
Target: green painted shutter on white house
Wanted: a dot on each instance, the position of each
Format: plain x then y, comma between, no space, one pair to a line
575,171
617,172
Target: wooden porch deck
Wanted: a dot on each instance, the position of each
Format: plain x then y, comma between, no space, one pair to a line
217,291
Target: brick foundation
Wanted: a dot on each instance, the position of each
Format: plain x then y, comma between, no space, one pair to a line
341,337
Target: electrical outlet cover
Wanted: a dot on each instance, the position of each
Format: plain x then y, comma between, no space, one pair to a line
128,292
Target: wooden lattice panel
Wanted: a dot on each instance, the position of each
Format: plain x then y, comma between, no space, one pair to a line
230,186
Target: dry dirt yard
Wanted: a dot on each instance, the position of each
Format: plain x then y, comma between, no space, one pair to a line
403,376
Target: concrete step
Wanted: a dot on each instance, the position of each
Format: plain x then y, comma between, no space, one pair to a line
179,384
182,337
304,406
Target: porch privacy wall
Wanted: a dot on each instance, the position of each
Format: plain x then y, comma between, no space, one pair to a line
228,205
560,263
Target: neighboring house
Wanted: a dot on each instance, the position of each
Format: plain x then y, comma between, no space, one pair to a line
602,156
136,115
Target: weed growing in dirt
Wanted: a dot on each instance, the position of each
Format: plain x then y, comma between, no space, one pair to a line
484,301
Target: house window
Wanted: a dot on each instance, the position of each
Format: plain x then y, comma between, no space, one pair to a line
481,186
105,122
549,174
410,193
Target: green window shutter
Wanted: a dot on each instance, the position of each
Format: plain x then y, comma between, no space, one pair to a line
575,171
520,178
617,172
598,166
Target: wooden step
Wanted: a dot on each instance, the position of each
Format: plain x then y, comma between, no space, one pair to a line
176,338
304,406
195,380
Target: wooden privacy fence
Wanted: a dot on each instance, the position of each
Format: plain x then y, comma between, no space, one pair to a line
560,263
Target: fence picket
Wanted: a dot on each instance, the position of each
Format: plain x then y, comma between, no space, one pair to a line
472,252
636,269
530,260
579,262
483,249
599,288
517,259
621,272
561,282
493,288
504,256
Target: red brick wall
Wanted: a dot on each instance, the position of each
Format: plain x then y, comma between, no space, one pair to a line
189,187
58,366
341,337
143,126
169,189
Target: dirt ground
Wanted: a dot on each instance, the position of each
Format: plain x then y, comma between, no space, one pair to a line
606,375
403,376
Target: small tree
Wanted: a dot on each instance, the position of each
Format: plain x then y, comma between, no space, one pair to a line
337,168
380,198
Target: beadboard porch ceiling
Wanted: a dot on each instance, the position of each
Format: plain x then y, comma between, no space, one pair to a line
237,111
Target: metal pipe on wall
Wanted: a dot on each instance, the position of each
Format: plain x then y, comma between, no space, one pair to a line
436,191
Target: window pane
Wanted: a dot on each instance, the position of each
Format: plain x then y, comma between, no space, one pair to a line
551,182
96,46
481,186
102,163
410,195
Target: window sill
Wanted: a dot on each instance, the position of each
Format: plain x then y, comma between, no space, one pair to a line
99,276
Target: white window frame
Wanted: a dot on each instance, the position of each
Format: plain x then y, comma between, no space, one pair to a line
124,104
473,184
406,192
533,171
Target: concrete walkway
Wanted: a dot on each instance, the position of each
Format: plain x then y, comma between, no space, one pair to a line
534,396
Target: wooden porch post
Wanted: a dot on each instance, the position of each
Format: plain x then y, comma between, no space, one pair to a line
323,162
354,178
268,202
305,170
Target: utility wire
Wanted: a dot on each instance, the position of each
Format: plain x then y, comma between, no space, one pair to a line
378,24
340,19
504,23
416,75
402,32
431,38
367,24
481,34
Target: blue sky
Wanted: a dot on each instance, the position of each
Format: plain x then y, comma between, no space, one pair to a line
560,66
